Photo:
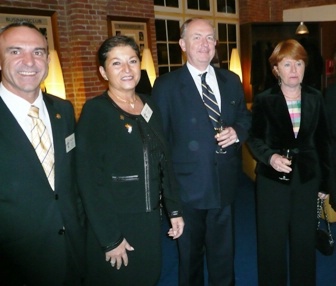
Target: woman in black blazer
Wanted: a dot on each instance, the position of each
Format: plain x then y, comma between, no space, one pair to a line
123,169
289,116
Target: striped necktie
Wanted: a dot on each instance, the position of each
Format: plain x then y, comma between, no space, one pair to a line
209,100
42,144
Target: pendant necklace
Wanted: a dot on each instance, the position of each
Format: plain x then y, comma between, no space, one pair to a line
130,102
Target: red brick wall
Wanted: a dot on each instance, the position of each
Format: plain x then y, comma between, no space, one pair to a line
271,10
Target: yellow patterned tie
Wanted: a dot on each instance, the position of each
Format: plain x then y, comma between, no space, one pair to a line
42,144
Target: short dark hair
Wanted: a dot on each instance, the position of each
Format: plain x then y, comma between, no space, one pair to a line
20,24
23,24
116,41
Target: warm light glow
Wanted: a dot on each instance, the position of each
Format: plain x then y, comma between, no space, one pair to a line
54,83
302,29
235,65
147,64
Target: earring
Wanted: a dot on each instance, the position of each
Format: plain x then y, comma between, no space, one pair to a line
279,80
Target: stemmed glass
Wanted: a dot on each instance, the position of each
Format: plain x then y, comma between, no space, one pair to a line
220,126
288,154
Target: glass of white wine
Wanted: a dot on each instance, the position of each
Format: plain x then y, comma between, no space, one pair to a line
220,126
288,154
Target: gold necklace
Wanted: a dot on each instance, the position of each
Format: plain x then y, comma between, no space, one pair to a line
130,102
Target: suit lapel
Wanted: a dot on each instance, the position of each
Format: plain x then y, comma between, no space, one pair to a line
225,95
191,94
56,119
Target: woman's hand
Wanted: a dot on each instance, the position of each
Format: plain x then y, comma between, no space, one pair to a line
177,227
118,255
323,196
280,163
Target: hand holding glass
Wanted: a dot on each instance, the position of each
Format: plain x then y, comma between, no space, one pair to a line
288,154
220,126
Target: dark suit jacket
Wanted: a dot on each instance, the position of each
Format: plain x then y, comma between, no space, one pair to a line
32,215
207,180
272,131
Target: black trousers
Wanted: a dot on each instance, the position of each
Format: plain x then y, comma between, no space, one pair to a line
286,224
207,233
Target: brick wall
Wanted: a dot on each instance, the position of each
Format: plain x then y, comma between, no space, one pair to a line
271,10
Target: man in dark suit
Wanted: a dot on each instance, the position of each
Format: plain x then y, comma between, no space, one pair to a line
41,237
207,180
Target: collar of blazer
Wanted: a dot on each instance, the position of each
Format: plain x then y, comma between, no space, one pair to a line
311,100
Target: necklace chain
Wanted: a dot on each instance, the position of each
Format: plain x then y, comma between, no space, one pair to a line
293,98
130,102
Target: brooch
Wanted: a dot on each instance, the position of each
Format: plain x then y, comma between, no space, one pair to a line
129,128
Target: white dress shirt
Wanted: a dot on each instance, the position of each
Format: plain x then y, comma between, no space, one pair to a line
210,79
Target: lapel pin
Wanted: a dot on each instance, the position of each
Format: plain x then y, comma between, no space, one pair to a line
58,116
122,117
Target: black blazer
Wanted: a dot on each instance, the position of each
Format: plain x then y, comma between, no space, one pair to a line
111,167
206,179
272,131
32,215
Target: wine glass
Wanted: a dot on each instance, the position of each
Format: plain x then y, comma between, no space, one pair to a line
220,126
288,154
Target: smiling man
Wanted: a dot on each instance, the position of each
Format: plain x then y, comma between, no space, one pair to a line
41,238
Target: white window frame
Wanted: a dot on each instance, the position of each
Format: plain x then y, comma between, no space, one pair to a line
169,9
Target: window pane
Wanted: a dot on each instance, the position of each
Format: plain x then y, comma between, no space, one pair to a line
173,30
204,5
221,6
162,54
231,6
222,35
222,54
159,2
172,3
232,37
226,6
175,54
193,4
174,68
225,65
163,70
160,30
